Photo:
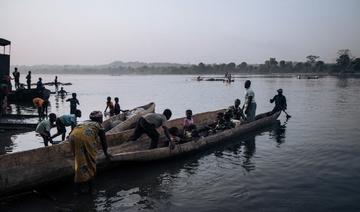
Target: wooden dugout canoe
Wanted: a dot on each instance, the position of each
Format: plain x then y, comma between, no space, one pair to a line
128,119
29,169
137,151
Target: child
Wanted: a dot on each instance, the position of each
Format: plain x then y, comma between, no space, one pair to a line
175,135
220,121
236,111
188,123
73,103
117,109
228,124
109,105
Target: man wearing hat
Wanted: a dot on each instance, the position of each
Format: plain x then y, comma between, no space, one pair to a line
280,101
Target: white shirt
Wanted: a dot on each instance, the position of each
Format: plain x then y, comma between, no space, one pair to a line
249,92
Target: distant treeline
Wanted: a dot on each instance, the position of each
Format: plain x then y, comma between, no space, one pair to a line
345,63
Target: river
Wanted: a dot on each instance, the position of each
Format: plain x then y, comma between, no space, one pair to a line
307,163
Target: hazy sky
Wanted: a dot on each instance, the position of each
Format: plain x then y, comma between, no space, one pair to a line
182,31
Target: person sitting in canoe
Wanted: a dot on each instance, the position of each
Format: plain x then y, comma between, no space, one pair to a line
65,121
189,128
280,101
110,105
175,135
84,141
43,128
149,123
117,108
228,123
236,111
218,124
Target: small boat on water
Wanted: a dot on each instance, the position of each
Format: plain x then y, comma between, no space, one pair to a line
33,168
18,122
307,76
26,95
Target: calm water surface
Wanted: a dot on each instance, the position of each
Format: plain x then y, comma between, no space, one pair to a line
309,163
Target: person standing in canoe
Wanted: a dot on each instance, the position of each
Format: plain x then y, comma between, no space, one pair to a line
250,104
16,75
148,125
43,128
73,103
65,121
28,80
280,101
84,141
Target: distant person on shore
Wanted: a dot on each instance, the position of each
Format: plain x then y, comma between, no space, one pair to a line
56,83
110,105
250,104
148,125
280,101
16,75
28,80
41,106
84,140
65,121
73,103
62,92
236,111
43,128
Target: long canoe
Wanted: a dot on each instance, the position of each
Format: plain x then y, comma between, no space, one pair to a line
33,168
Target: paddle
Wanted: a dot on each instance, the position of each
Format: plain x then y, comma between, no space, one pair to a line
287,115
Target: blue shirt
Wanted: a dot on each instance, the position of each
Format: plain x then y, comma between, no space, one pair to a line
68,120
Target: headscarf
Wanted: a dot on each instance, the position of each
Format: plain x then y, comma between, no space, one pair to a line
96,116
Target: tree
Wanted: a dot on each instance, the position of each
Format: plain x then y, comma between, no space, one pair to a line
282,64
312,58
299,66
273,62
242,66
356,64
320,65
344,59
230,67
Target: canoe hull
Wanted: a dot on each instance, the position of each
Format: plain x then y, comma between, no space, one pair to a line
28,169
220,137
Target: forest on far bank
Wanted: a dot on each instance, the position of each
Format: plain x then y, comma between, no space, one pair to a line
345,63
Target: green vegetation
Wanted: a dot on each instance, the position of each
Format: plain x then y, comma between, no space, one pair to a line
345,63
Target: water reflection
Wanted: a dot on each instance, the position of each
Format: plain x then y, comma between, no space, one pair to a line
6,144
249,151
342,82
244,147
278,132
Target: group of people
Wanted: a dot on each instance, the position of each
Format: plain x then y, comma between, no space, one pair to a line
227,120
114,109
84,137
16,75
